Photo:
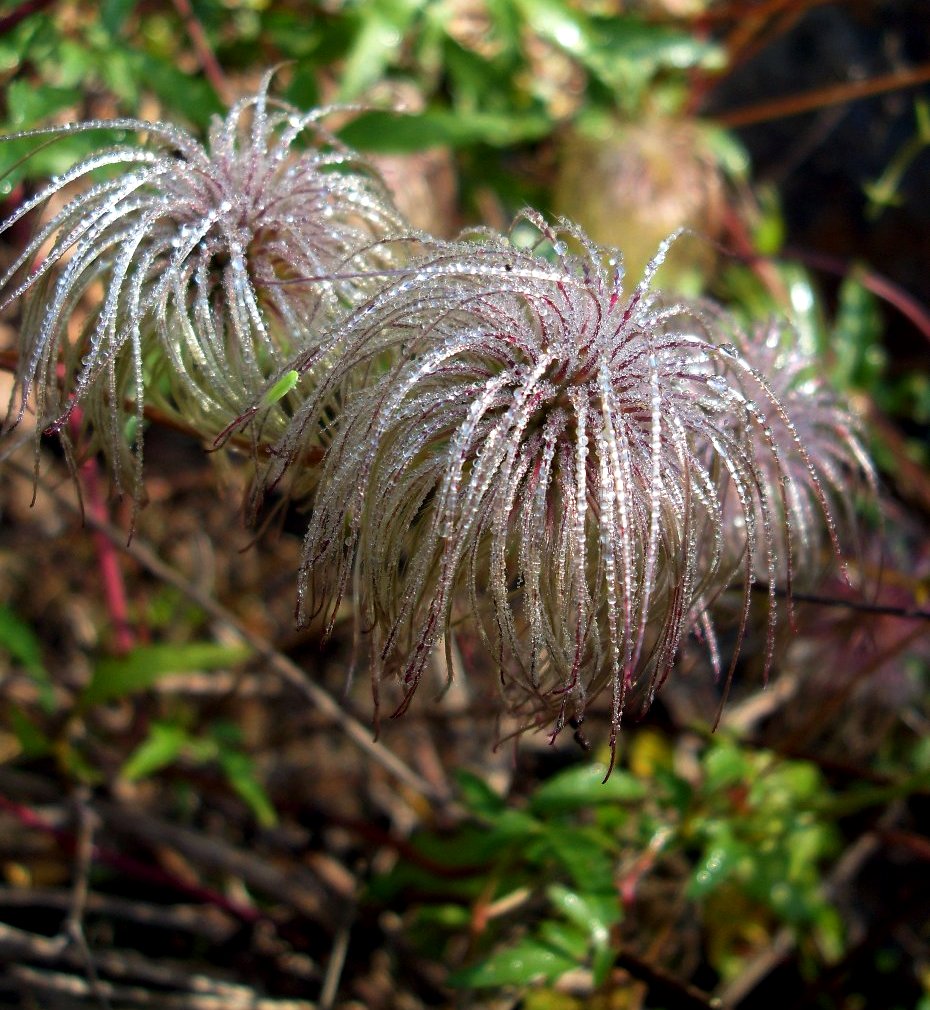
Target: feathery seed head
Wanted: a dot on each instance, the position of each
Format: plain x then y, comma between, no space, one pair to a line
821,467
193,271
548,454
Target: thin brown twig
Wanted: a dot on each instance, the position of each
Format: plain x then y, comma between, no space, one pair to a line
108,560
74,923
301,891
282,666
130,995
108,857
880,286
740,10
207,58
119,964
861,606
216,927
334,968
820,98
665,986
9,21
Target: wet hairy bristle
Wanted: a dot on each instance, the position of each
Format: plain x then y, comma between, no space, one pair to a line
575,469
169,257
498,441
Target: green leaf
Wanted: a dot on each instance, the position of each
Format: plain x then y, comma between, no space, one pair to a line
240,770
717,865
725,765
859,360
479,797
282,387
559,24
32,741
584,855
381,34
191,97
163,745
595,913
28,103
584,785
117,677
113,14
22,644
566,937
391,132
530,960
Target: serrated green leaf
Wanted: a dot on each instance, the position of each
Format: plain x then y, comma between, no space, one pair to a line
117,677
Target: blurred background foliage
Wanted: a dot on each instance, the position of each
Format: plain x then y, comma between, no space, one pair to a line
781,862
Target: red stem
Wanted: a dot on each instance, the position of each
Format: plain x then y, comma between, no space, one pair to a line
878,284
821,98
208,61
111,573
126,864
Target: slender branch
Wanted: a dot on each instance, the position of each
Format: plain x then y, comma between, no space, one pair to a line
282,666
74,923
125,864
208,61
879,609
742,9
125,995
9,21
871,280
111,573
820,98
665,987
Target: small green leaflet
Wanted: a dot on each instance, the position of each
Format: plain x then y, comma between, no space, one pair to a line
282,387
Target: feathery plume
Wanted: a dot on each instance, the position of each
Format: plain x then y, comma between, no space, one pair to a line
822,483
190,272
551,456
